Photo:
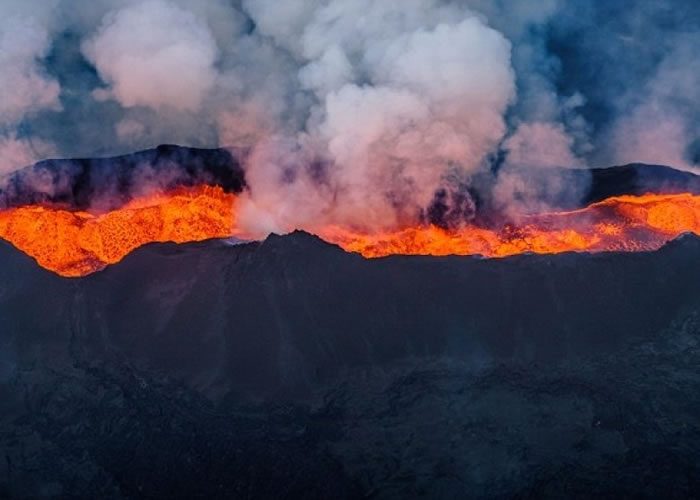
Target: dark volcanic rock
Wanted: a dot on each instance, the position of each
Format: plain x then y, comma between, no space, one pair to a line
290,368
108,183
284,316
638,178
568,189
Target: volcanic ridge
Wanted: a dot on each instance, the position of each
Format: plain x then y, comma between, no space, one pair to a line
77,216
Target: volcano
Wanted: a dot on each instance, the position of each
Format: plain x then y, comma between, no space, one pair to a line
76,217
290,367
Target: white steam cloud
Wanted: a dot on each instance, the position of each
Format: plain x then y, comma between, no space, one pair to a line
660,124
26,88
354,112
401,98
17,153
154,54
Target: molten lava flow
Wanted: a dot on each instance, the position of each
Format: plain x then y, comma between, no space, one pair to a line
74,243
77,243
624,223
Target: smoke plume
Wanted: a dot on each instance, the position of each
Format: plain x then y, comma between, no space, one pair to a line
27,88
364,113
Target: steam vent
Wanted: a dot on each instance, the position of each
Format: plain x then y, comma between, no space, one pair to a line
430,249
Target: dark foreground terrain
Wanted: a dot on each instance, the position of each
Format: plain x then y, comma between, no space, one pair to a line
291,369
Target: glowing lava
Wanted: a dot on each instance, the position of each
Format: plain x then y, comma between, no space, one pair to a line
623,223
75,243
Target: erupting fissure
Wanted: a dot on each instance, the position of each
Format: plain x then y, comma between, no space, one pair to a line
621,223
77,243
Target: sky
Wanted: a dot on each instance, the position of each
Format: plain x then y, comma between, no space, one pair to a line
359,108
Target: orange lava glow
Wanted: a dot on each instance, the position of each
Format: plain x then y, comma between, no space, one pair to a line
75,243
623,223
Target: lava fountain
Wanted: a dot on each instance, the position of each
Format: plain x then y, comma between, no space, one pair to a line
77,243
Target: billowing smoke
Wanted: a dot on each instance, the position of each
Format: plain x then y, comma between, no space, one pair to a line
359,112
662,126
16,153
140,53
26,87
399,100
